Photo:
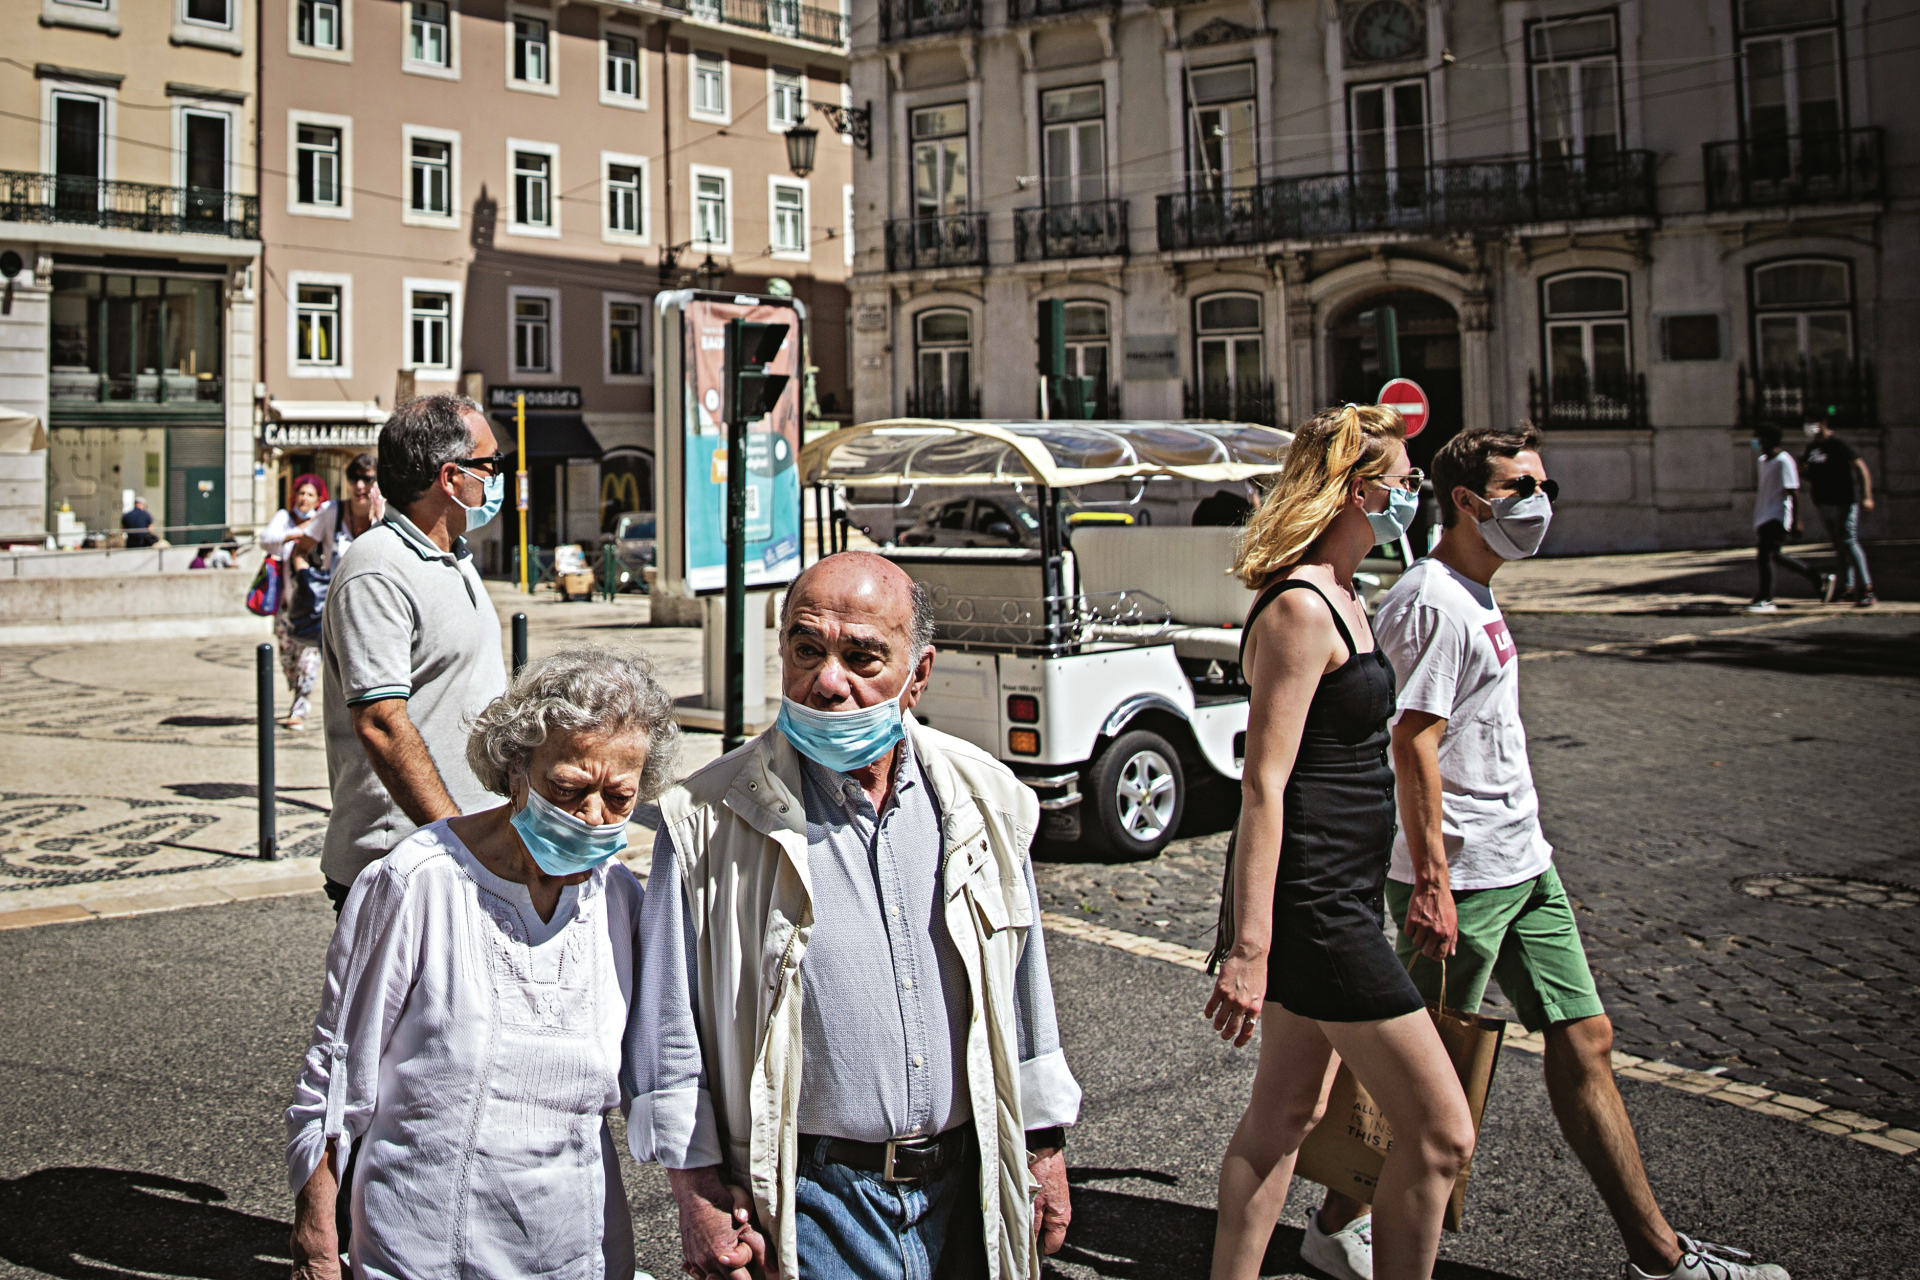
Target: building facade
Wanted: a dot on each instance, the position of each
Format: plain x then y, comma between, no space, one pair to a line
486,195
130,228
1645,227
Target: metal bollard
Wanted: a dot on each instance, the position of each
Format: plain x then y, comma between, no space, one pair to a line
263,692
519,642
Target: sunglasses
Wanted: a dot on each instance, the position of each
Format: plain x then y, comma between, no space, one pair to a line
1410,481
1526,486
492,464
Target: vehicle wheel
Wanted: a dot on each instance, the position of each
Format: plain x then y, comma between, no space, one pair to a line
1138,794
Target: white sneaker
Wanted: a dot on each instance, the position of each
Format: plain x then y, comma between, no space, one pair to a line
1347,1254
1702,1261
1763,606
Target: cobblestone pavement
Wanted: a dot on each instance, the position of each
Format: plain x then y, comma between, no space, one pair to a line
1668,772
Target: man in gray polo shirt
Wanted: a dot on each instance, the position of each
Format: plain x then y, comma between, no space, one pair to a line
410,643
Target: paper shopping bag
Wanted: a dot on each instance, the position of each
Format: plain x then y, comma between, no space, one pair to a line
1345,1150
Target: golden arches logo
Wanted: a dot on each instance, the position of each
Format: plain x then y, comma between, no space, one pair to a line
620,491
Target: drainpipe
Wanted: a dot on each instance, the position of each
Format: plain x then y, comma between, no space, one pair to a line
666,148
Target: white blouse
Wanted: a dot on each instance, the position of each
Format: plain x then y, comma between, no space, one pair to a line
472,1051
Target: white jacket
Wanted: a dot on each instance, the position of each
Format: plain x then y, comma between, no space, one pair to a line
739,834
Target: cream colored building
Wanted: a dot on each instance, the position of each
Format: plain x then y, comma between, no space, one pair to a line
127,195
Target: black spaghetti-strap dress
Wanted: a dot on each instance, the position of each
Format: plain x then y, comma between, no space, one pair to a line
1330,960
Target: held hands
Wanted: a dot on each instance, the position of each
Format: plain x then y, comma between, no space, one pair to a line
1238,994
718,1240
1052,1204
1432,924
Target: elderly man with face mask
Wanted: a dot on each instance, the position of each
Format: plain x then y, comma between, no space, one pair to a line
844,1050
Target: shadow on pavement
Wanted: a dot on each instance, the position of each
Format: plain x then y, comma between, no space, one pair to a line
105,1224
1806,654
1131,1237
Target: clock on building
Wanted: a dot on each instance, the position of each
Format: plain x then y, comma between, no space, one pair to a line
1385,31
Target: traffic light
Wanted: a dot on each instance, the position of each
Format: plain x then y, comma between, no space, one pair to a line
752,392
1380,344
1067,397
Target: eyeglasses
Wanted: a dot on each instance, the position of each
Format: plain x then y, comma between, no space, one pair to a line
1525,486
362,479
492,464
1410,481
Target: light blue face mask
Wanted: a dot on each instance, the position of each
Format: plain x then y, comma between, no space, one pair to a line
842,740
494,491
561,844
1392,524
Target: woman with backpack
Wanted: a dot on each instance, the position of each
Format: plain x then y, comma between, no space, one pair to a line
310,537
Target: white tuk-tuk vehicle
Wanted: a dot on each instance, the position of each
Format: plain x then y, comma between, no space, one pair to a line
1102,664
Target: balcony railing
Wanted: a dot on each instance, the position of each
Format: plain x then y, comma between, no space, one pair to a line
1839,392
127,206
950,240
1245,400
1576,401
1090,229
1028,10
905,19
1805,168
1455,196
942,402
68,387
777,17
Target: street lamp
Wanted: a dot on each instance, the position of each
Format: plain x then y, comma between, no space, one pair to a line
852,122
801,142
710,273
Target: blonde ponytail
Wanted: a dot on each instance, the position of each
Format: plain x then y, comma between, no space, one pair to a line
1329,450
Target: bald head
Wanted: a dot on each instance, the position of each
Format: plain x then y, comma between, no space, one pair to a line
855,631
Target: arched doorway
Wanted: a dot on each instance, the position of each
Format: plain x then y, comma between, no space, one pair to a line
1429,354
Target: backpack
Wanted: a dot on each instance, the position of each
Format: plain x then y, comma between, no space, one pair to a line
263,596
308,602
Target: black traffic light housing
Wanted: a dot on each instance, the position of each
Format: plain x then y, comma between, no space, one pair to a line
1380,343
751,391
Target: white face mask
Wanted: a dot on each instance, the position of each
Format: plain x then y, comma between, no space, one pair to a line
1518,526
1812,429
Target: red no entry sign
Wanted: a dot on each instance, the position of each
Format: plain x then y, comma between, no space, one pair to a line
1405,395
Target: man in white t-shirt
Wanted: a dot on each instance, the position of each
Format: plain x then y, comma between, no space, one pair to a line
1472,878
1776,513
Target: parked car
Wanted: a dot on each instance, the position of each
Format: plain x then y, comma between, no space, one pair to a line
974,522
632,541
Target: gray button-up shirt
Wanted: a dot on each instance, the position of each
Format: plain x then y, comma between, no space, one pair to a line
884,996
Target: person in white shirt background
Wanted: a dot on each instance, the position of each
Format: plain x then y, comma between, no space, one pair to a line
1776,513
299,658
1472,880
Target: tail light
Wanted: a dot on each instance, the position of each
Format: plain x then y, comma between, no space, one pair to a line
1023,742
1023,708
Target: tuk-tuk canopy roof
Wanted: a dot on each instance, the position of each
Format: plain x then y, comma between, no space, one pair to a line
1061,454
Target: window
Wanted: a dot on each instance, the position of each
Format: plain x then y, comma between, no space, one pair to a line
317,24
204,164
532,333
1074,149
1791,83
846,225
943,356
1389,123
317,325
1692,337
710,86
317,165
530,51
1229,362
430,177
711,222
1588,356
1576,89
620,75
1803,316
1221,110
429,33
210,13
533,189
940,162
79,151
625,190
625,321
789,218
786,98
429,330
1087,351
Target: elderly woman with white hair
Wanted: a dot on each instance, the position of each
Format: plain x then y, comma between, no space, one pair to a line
478,988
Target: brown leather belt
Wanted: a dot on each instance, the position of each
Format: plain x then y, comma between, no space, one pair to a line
901,1160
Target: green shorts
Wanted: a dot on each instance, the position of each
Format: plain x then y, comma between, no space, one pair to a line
1521,935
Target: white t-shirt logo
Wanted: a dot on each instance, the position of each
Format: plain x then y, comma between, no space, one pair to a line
1502,641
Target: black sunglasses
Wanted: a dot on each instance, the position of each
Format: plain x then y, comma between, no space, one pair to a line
1524,487
494,462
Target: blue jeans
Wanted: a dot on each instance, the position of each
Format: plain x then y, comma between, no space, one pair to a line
855,1225
1843,530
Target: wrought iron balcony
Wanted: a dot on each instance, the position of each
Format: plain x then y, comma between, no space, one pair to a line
1808,168
1090,229
1839,392
776,17
1244,400
941,402
950,240
1577,401
1432,199
69,387
905,19
1028,10
127,206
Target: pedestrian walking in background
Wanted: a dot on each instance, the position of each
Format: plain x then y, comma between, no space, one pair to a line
334,527
1302,948
478,991
1841,488
299,654
1776,514
1473,880
138,522
845,1052
411,640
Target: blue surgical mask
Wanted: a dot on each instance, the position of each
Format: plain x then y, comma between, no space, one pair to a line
842,740
1392,524
562,844
1756,446
494,492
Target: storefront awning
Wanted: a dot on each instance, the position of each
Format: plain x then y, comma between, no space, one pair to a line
21,433
549,435
323,424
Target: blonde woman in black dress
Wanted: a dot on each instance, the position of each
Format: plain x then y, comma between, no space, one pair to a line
1307,958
